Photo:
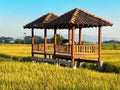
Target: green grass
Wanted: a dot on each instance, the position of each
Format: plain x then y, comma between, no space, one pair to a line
111,46
36,76
113,67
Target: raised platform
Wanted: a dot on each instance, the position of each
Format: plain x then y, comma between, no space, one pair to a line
66,56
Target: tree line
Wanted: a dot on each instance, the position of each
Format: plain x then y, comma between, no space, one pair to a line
39,40
27,40
112,41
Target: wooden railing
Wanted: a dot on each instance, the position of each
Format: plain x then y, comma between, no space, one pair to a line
40,47
86,49
50,48
63,49
79,49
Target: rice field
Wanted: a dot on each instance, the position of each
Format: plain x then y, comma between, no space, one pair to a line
35,76
25,51
15,50
15,75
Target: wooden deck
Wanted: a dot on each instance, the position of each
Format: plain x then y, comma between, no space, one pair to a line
76,56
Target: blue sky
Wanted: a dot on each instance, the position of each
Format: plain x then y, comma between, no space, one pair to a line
14,14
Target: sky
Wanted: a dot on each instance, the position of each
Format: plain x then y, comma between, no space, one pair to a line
14,14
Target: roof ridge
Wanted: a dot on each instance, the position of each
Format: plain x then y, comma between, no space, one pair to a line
47,18
41,21
53,14
74,15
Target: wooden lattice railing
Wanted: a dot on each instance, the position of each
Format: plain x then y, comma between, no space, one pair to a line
86,49
50,48
79,49
63,49
40,47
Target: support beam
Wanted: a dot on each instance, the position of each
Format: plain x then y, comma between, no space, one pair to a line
32,42
73,48
80,36
99,43
55,41
45,42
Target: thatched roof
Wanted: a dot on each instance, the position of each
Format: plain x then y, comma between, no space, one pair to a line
78,18
42,21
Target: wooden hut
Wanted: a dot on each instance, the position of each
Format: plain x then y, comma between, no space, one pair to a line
71,20
40,24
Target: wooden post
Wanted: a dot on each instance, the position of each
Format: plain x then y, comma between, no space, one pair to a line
80,35
32,42
69,39
45,42
99,43
73,48
55,42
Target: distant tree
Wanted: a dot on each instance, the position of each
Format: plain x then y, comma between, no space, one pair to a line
1,39
59,39
64,41
49,41
38,40
27,40
18,41
6,40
